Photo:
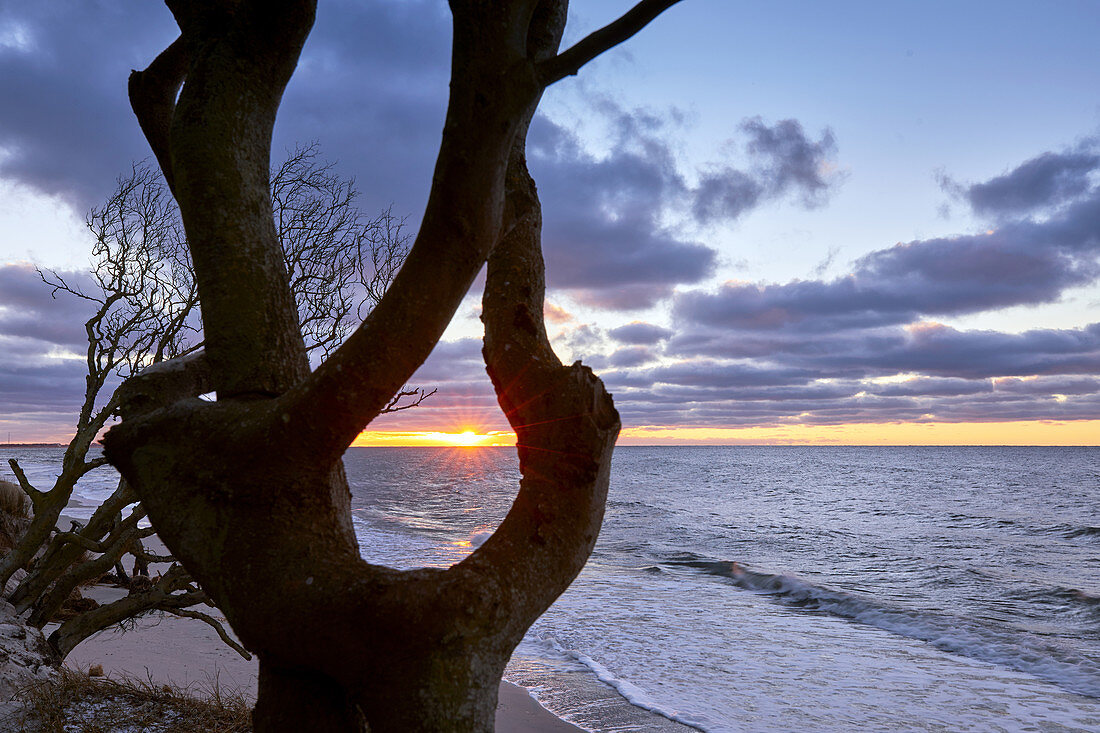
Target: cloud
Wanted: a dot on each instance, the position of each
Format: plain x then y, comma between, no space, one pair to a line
640,333
72,65
369,71
730,392
624,229
786,161
556,314
789,159
863,347
603,234
29,309
606,232
42,369
379,71
1047,180
631,356
1025,262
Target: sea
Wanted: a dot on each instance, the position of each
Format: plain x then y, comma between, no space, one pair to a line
767,588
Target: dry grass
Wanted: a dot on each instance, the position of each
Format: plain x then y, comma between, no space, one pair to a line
75,702
13,500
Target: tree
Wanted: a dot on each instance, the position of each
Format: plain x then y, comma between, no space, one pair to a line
249,491
145,299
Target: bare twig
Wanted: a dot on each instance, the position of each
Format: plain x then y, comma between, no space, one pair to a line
229,640
418,395
569,62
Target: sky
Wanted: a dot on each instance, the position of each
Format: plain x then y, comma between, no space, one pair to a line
786,222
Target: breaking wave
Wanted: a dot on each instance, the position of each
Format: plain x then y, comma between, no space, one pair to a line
1017,650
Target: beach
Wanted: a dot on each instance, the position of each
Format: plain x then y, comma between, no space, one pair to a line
188,653
753,589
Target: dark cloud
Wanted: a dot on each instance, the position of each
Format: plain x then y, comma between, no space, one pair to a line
452,362
786,161
30,310
811,351
66,124
927,348
602,233
41,386
369,72
379,71
734,393
789,160
637,332
630,356
1047,180
940,350
726,194
42,341
862,348
1024,262
711,373
605,234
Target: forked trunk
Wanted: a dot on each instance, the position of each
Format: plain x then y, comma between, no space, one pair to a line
249,491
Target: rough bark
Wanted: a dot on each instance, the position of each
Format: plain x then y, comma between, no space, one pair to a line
249,491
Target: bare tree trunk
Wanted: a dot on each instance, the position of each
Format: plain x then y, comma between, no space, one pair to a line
304,700
249,492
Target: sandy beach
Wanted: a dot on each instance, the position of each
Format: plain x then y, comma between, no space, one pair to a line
187,652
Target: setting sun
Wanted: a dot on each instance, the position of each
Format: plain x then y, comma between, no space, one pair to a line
468,438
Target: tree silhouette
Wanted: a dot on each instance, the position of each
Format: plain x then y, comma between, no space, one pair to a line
249,491
145,302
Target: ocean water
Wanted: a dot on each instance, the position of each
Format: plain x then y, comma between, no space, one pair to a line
784,588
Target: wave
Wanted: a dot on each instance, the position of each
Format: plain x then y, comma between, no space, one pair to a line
1064,530
1070,604
1016,650
1075,532
633,694
1064,595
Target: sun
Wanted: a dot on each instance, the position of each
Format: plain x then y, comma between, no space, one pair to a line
461,437
466,438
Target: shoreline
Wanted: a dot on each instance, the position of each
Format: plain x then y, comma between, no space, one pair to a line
188,653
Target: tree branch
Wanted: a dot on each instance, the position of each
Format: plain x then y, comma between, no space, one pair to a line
569,62
565,424
61,555
117,542
34,494
74,538
418,394
161,384
153,99
229,641
79,628
95,463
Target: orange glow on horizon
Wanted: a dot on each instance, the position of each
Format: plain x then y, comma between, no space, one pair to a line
467,438
1020,432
